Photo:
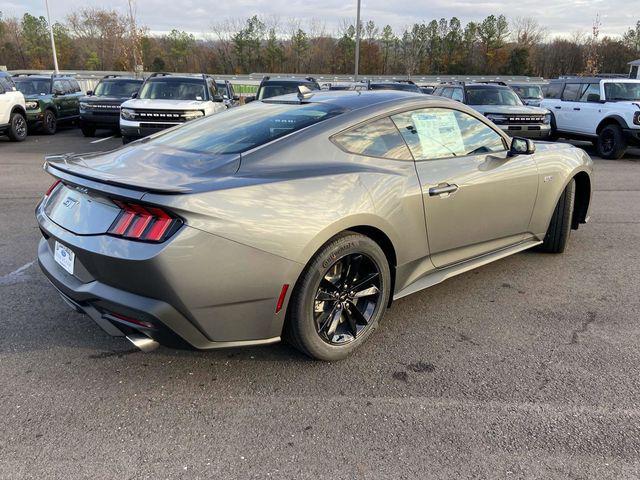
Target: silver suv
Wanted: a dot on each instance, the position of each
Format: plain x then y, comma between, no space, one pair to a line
502,106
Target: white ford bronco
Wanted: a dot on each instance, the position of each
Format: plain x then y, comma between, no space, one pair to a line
603,110
166,100
13,114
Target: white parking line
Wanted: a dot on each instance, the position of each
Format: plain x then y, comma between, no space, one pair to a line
16,276
103,139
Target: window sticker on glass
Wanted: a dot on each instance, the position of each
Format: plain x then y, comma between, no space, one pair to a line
439,133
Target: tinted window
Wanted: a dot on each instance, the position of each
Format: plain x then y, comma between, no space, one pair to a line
528,91
446,92
66,86
222,89
571,92
553,90
275,89
58,86
622,90
405,87
240,129
492,96
173,90
589,89
76,86
376,139
457,95
33,87
1,89
433,133
117,88
7,84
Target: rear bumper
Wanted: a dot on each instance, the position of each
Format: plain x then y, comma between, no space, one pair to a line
176,299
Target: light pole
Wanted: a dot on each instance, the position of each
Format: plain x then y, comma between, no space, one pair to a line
355,77
53,42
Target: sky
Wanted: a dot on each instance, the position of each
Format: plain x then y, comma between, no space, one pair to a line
560,17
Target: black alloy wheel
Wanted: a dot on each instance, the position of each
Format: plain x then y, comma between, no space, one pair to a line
346,299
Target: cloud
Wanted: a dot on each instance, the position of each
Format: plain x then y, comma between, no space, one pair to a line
196,16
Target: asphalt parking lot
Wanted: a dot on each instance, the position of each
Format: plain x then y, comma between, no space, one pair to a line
526,368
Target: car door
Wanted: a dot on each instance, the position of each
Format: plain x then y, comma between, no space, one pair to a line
589,108
570,110
476,198
552,102
5,106
60,98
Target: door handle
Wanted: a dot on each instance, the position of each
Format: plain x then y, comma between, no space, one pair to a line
442,189
576,108
557,107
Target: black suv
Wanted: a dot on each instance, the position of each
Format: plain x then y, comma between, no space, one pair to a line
100,108
402,85
282,86
50,99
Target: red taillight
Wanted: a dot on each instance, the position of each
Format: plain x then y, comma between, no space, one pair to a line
283,295
51,188
151,224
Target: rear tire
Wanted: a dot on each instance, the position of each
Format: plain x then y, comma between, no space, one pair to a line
88,130
126,139
559,229
17,127
49,123
611,143
351,276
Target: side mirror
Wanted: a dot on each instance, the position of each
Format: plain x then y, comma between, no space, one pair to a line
89,92
236,97
593,97
250,98
218,98
521,146
57,91
134,95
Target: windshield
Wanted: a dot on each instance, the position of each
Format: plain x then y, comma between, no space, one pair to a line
167,89
528,91
622,91
492,96
276,89
240,129
405,87
33,87
117,88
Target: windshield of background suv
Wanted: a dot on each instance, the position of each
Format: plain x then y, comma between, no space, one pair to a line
116,88
240,129
166,89
405,87
622,91
33,86
528,91
492,96
270,89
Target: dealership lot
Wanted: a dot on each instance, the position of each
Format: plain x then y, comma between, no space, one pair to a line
523,368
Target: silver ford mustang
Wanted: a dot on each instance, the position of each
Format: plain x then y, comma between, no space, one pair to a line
302,216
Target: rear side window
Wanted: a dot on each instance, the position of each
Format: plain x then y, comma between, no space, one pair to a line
75,86
7,84
553,90
436,133
376,139
457,95
589,89
571,92
237,130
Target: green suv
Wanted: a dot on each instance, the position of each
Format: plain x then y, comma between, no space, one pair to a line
49,99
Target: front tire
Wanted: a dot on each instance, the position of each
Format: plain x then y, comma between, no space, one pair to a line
17,127
611,143
49,123
340,298
555,241
126,139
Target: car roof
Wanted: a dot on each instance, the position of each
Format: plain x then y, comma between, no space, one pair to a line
288,80
176,78
349,99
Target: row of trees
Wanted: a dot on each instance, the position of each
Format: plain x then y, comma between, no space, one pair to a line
103,39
